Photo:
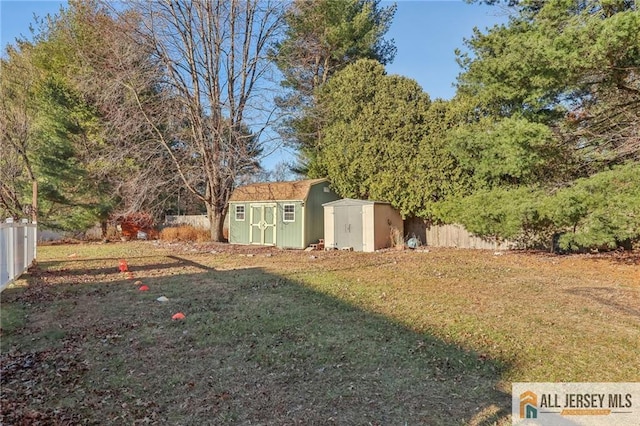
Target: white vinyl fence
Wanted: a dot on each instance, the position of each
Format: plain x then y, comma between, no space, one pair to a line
17,249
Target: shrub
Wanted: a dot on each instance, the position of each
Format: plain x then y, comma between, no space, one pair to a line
601,211
185,233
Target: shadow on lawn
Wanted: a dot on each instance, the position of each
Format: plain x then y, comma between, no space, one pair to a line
141,265
620,300
254,349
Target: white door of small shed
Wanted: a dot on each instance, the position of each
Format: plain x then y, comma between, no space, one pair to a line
348,226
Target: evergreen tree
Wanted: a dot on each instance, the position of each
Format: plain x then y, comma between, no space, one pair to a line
572,65
382,140
322,38
550,120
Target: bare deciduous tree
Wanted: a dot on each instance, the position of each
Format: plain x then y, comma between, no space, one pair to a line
215,57
118,75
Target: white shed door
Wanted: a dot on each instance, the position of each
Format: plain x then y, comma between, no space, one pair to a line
348,227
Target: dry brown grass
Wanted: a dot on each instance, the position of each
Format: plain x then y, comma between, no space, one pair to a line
395,235
185,233
286,337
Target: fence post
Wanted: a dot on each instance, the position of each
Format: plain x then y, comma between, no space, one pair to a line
25,242
11,264
4,254
34,241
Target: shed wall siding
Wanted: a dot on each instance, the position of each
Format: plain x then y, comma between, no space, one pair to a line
289,234
329,227
368,226
238,230
386,217
314,212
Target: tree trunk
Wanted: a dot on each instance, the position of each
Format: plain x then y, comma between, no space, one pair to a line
104,226
215,57
216,220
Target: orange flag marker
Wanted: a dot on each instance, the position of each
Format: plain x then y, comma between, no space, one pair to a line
123,266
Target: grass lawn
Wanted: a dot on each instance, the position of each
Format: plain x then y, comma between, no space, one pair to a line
293,337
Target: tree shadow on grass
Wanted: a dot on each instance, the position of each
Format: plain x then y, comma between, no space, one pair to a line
143,264
620,300
255,348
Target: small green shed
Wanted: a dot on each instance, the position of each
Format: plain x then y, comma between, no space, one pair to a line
282,214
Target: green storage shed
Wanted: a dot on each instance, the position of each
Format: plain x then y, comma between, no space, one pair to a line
282,214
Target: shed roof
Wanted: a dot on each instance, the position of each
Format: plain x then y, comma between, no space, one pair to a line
275,191
353,202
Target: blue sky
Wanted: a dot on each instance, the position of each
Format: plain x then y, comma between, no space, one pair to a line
425,32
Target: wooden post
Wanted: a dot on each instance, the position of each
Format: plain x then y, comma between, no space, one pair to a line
34,202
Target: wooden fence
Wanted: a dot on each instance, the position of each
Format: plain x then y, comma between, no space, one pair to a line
458,236
450,236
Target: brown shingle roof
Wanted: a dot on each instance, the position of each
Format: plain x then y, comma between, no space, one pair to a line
272,191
